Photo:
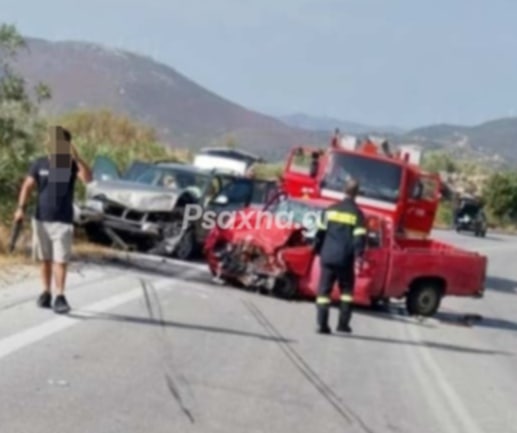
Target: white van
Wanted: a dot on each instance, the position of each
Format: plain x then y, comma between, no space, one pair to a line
225,160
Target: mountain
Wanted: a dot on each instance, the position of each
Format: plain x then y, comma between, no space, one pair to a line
84,75
495,140
315,123
90,76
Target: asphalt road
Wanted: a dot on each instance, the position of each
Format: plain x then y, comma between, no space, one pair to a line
170,352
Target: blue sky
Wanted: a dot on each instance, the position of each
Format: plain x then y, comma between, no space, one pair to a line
398,62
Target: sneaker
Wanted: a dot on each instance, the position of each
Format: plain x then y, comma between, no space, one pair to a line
61,305
45,300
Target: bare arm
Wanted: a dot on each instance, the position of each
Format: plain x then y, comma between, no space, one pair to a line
84,172
23,197
26,189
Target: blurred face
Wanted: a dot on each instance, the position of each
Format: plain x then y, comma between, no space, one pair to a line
58,148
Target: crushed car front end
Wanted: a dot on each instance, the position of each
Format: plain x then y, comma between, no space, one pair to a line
128,212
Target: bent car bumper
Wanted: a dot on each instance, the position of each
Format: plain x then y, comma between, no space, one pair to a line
85,213
132,227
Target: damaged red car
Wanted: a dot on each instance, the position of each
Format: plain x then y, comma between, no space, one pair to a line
278,258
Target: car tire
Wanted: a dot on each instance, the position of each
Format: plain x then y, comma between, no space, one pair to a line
95,234
424,299
186,248
286,287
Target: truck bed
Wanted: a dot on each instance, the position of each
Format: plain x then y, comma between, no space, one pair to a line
432,246
463,272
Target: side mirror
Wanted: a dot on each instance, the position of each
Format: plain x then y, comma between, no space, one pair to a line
221,200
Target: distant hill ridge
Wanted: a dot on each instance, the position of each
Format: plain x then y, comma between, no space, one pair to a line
84,75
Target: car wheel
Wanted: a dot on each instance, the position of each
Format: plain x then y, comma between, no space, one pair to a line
423,299
286,287
96,235
186,247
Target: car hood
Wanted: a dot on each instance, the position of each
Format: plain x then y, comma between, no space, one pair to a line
134,195
251,225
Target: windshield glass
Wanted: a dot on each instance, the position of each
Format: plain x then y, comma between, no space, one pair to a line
299,212
470,210
172,177
377,179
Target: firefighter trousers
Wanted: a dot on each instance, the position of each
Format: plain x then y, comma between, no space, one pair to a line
345,277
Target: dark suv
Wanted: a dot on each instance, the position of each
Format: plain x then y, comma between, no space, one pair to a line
470,217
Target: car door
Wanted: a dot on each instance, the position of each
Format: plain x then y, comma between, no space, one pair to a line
234,193
135,170
263,191
422,203
104,168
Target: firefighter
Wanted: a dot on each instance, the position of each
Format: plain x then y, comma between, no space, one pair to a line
339,241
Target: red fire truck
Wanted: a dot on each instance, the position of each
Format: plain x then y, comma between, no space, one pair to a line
393,184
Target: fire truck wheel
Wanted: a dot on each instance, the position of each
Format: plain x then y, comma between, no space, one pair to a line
424,299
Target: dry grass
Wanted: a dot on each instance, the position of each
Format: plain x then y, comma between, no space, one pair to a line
19,265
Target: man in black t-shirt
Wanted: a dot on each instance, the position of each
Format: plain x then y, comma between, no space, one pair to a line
54,176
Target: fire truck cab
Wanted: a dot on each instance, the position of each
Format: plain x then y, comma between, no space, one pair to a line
390,183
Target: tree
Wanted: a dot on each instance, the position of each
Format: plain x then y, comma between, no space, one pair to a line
439,161
500,195
20,125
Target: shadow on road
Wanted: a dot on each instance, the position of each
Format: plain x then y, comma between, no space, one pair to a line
499,284
482,322
380,314
443,317
428,344
171,324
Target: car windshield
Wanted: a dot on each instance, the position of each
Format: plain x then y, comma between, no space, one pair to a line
304,213
172,177
470,210
378,179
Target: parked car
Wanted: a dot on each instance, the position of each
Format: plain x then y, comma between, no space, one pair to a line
144,207
224,159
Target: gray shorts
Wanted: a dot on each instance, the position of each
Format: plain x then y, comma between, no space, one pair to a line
52,241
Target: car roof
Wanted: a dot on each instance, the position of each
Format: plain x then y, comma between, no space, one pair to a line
230,152
180,166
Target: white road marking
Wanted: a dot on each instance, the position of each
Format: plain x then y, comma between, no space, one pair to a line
447,403
163,260
25,338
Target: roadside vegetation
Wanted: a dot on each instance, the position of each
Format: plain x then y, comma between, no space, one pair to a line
22,128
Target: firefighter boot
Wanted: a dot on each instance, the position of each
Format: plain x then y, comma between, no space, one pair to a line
323,318
345,315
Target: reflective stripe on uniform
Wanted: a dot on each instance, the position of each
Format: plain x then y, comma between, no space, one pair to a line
347,298
322,300
342,217
320,224
359,231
